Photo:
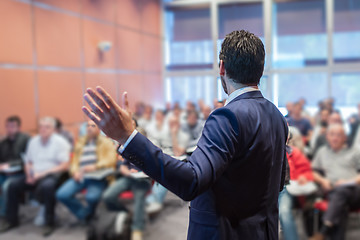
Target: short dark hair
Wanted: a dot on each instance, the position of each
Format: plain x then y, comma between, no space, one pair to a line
58,124
14,118
193,112
243,55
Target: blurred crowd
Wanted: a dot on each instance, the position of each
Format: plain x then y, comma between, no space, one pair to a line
80,172
324,164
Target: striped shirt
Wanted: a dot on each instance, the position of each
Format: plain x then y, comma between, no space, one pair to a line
88,156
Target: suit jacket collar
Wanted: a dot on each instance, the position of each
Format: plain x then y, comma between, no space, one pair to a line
247,95
239,92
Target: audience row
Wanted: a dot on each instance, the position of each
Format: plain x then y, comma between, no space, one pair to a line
54,167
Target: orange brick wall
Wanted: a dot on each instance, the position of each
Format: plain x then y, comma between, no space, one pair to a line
49,55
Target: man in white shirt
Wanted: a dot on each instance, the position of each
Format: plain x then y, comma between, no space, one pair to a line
146,118
157,129
47,158
336,169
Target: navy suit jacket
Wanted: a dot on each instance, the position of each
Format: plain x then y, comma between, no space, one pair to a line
234,176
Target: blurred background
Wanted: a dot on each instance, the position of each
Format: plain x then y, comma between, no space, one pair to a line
164,53
167,51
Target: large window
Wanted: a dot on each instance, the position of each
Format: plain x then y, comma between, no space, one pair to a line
188,35
299,32
312,48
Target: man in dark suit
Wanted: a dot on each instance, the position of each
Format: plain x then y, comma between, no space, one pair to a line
234,176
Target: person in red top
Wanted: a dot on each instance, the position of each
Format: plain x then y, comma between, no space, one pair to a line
300,171
299,164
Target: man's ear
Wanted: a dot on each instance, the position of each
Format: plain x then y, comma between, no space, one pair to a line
222,68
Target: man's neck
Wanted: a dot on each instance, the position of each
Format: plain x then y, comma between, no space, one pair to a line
232,86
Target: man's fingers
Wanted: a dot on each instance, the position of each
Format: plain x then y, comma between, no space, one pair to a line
93,106
107,98
91,115
125,101
97,99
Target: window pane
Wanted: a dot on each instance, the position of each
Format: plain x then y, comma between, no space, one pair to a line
193,88
345,89
241,16
188,39
347,31
310,86
299,34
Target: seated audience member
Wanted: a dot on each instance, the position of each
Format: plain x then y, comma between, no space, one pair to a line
297,120
62,132
329,104
300,171
12,148
139,186
176,112
46,160
218,103
167,108
193,128
174,143
354,135
320,125
205,112
319,131
146,118
139,110
334,118
201,104
157,130
92,153
296,139
304,113
190,107
336,169
289,107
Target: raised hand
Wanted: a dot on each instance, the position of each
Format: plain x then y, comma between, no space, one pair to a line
113,120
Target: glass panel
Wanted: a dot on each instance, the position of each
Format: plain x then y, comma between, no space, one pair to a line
241,16
347,31
310,86
194,88
345,89
299,34
188,42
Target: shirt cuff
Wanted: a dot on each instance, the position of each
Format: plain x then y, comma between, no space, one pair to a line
121,148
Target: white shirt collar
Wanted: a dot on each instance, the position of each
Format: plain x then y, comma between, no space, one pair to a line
239,92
